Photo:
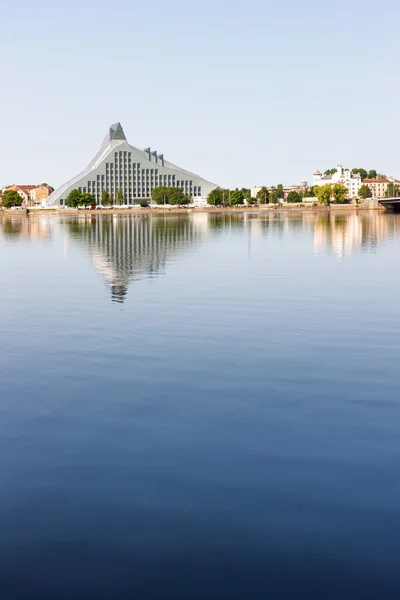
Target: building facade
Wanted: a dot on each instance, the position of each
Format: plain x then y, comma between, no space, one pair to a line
40,193
351,181
23,191
120,166
31,194
379,186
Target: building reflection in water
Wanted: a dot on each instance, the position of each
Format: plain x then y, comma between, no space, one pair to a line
129,247
36,229
345,234
125,248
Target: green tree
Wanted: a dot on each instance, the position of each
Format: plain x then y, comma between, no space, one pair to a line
362,172
380,176
372,174
274,196
263,196
160,195
323,193
293,197
339,192
364,192
216,197
105,198
392,190
176,196
279,189
330,172
73,199
120,197
11,198
246,194
237,197
87,199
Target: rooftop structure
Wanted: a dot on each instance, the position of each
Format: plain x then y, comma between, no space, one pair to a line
120,166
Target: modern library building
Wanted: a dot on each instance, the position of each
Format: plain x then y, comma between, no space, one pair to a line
120,166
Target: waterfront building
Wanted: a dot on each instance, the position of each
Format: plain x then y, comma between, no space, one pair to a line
351,181
379,185
40,193
120,166
23,191
31,194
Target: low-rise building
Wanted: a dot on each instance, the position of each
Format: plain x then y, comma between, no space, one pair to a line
40,193
31,194
23,191
352,181
379,185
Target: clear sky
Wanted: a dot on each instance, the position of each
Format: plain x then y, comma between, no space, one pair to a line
242,93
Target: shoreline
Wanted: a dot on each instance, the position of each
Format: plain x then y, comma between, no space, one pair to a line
261,208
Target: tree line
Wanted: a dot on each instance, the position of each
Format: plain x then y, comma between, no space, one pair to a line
364,174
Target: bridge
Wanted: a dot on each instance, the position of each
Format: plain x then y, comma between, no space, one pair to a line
391,204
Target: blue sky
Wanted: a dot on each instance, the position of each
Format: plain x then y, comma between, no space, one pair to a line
243,93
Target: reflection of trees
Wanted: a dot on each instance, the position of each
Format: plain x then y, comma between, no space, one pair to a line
344,233
32,228
11,227
129,247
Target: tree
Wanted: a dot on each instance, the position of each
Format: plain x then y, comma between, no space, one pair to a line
160,195
364,192
274,196
217,197
120,197
371,174
323,193
330,172
263,196
362,172
176,196
237,197
279,189
11,198
392,190
87,199
73,199
339,192
105,198
293,197
246,194
169,195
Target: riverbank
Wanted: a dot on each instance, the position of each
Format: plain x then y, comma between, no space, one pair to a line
159,210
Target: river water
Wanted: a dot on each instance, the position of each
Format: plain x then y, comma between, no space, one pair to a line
200,406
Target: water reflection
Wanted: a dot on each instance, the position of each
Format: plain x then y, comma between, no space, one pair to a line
128,247
125,248
35,229
344,234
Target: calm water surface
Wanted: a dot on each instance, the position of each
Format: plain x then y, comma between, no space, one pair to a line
200,406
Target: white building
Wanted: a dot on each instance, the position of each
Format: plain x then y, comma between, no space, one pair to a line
343,176
120,166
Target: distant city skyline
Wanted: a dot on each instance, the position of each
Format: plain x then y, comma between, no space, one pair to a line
261,94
